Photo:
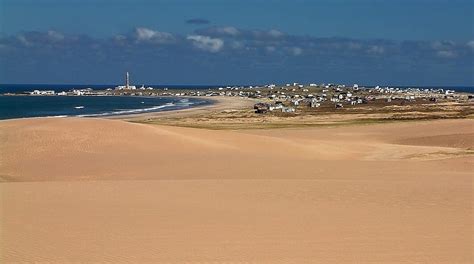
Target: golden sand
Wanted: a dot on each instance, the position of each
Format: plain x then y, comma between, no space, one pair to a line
109,191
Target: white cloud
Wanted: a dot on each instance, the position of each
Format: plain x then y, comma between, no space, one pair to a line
376,50
275,33
237,44
442,45
270,48
354,46
297,51
55,36
146,34
119,38
471,44
23,40
206,43
448,54
228,31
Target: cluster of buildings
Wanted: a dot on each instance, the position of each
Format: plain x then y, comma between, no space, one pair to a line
339,96
43,92
74,92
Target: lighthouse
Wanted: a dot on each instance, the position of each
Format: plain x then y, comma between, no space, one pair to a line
127,81
127,85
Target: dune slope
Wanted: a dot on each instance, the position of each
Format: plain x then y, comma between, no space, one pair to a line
108,191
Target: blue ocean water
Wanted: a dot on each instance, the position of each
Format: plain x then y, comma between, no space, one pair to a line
89,106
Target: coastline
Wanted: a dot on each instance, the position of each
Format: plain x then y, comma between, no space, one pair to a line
291,106
219,103
237,113
141,112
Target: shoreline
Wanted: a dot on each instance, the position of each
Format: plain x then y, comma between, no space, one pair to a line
214,103
236,113
219,103
296,106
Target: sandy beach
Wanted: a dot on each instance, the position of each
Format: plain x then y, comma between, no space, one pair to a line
78,190
216,104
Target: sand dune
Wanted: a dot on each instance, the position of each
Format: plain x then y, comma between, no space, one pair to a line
93,190
95,149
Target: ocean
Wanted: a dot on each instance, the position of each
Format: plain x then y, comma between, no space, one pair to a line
89,106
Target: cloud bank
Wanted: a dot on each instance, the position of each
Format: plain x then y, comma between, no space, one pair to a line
231,55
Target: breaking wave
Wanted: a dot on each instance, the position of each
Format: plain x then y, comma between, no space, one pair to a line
130,111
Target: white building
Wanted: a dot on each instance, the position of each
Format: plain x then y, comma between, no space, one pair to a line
77,92
45,92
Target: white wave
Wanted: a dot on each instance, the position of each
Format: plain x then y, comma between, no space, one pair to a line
79,107
130,111
183,105
57,116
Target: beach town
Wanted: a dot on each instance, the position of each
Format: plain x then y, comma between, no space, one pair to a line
293,99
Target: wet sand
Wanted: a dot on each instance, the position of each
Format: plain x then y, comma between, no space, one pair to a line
109,191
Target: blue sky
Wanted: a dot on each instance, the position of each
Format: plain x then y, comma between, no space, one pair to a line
408,42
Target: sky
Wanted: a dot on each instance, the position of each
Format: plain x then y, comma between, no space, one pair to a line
386,42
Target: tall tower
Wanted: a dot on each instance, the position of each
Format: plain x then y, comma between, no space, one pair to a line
127,81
